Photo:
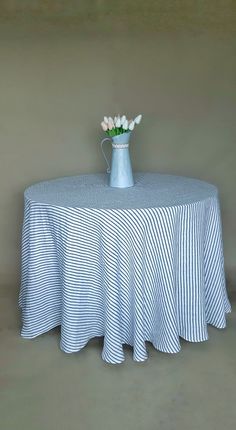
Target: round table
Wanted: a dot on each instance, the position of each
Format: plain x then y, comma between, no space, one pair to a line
133,265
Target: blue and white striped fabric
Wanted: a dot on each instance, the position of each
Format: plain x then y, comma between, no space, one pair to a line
132,265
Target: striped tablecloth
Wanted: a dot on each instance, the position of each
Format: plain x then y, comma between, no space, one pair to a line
133,265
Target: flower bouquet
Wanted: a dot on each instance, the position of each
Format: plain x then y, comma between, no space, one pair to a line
119,125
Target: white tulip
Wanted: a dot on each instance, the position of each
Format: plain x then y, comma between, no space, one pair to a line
131,125
110,123
105,119
104,126
123,119
125,125
138,118
118,122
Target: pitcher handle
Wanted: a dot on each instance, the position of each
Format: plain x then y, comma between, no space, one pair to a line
104,155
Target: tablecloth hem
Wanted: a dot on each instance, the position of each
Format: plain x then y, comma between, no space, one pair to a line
158,348
72,350
46,330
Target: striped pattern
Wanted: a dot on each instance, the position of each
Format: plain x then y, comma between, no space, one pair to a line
130,275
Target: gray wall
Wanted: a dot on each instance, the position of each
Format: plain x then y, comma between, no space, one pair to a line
64,64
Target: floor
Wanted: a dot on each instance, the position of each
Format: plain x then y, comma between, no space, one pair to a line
42,388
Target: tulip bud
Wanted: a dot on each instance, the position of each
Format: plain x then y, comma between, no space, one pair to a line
131,125
110,124
104,126
125,125
118,123
105,119
138,118
123,119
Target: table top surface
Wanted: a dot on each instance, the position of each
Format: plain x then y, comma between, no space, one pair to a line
151,190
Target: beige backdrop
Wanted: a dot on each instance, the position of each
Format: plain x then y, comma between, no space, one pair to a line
64,64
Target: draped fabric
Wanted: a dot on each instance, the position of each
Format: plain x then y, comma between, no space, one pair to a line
126,269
